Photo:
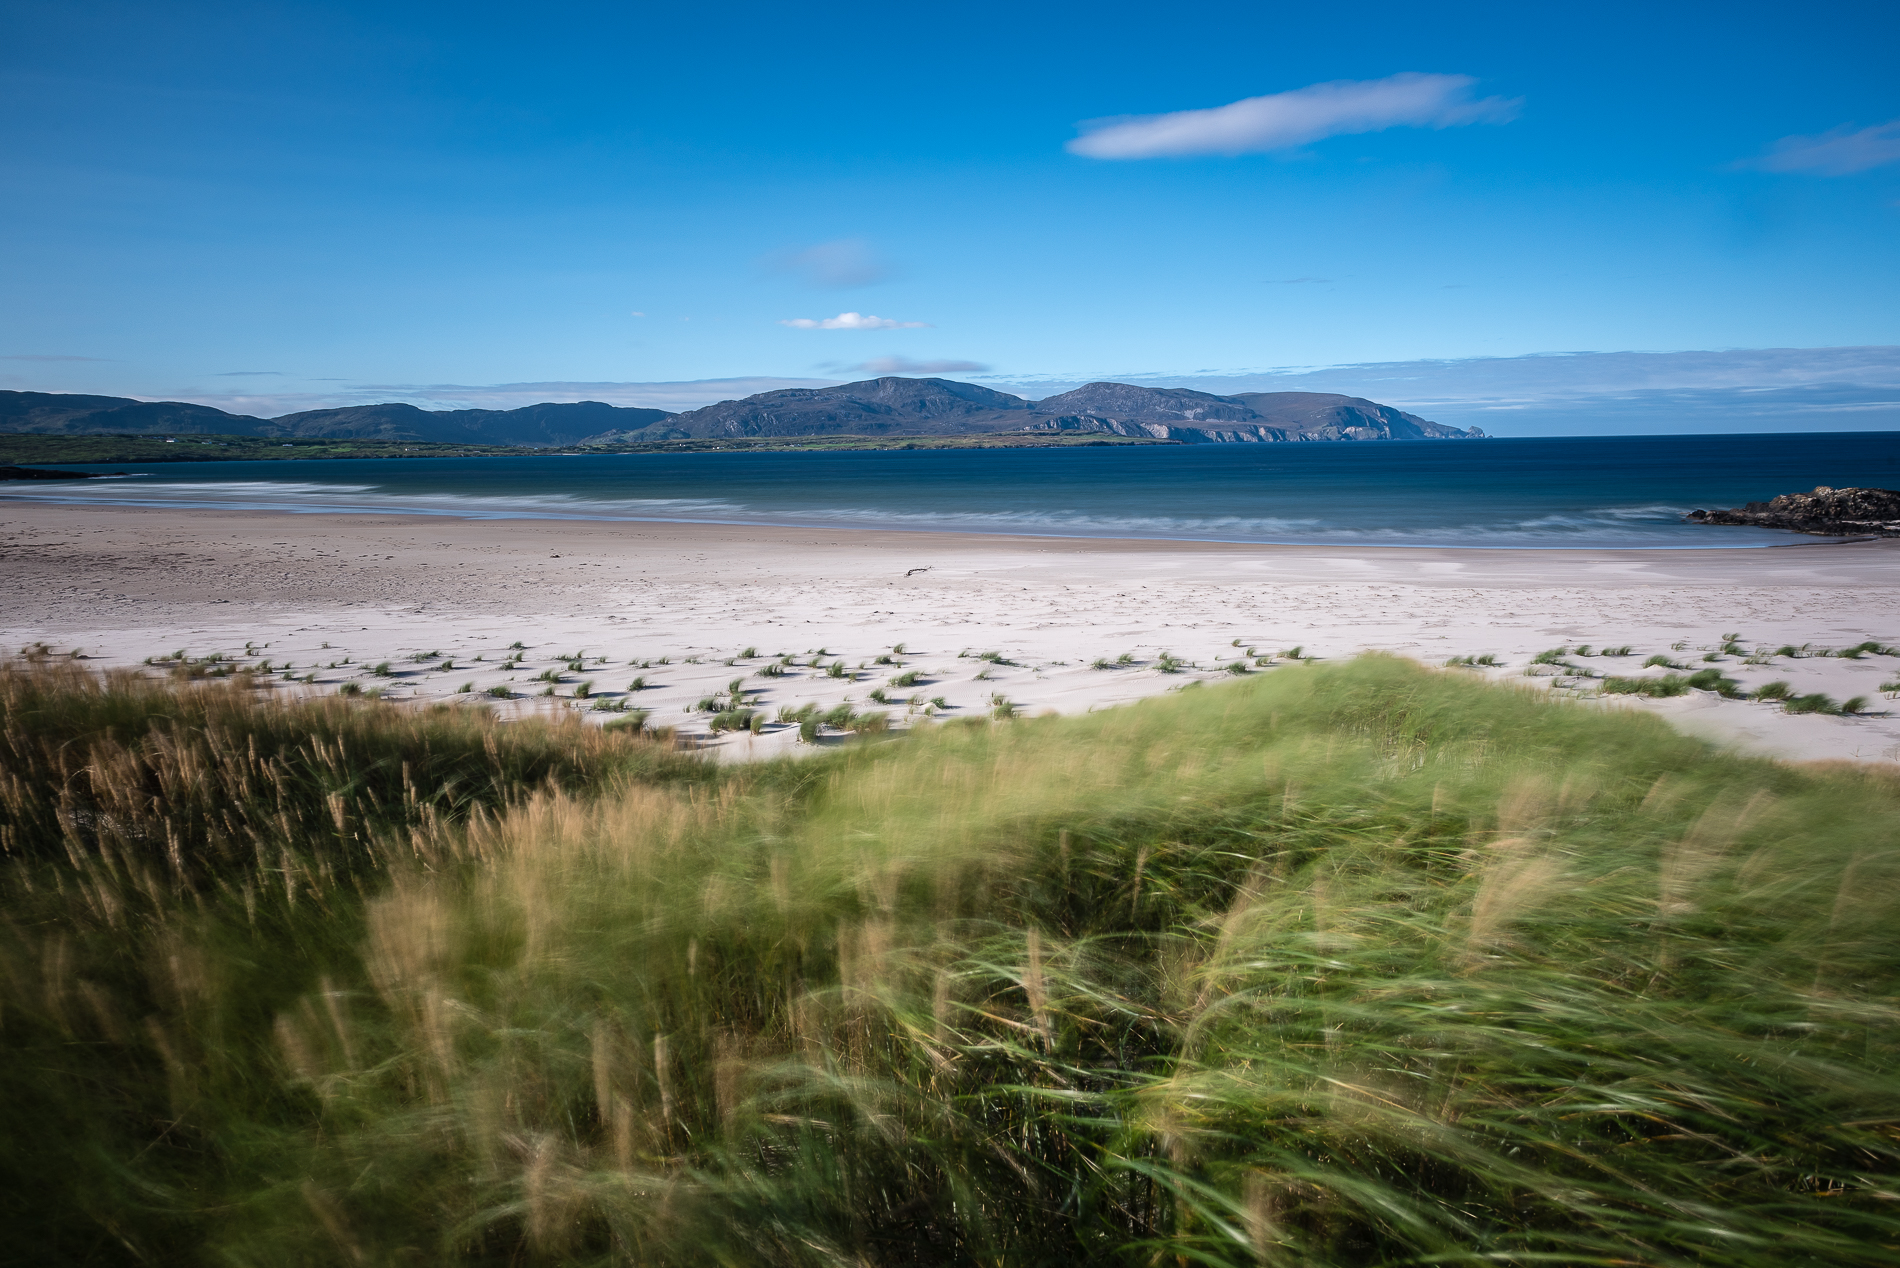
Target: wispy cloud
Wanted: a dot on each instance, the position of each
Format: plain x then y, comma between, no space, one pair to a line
847,262
1283,120
675,396
1841,152
34,356
852,321
1583,393
903,365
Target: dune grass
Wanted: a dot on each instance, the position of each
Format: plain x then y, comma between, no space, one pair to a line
1355,965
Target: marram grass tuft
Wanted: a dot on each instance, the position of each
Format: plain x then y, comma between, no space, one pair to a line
1349,965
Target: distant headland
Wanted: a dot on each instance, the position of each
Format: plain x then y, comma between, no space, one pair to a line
883,408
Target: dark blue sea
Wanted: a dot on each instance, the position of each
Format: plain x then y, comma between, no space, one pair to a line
1580,492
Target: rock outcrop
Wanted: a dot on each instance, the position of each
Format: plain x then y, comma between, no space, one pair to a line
1825,512
44,473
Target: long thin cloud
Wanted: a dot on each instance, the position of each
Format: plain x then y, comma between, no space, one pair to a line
1840,152
675,396
852,321
903,365
1283,120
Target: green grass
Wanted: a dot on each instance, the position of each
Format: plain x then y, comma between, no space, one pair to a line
1362,965
1667,685
737,719
21,448
18,448
1679,685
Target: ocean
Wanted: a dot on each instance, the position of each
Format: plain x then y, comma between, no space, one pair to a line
1626,492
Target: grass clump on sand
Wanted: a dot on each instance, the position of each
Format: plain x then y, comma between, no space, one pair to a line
1663,687
1362,965
1675,685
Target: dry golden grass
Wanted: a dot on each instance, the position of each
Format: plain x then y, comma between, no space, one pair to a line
1349,965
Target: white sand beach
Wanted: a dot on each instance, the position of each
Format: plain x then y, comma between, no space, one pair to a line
123,584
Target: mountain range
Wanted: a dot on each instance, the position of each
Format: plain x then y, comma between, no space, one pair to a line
876,407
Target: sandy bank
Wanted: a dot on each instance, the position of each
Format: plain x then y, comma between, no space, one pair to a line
127,583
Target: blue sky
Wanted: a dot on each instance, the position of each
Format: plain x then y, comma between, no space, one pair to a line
272,206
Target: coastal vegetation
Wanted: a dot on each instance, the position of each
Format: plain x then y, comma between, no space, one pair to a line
19,448
1345,964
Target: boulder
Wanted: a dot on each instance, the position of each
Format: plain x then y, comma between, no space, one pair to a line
1825,512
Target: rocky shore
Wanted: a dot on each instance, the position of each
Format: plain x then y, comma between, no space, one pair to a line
42,473
1825,512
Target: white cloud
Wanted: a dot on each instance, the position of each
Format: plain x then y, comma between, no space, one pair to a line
832,265
1840,152
852,321
902,365
1284,120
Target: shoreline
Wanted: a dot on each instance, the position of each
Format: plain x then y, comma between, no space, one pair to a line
126,583
49,498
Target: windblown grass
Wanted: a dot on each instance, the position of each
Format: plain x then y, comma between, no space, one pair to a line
1356,965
